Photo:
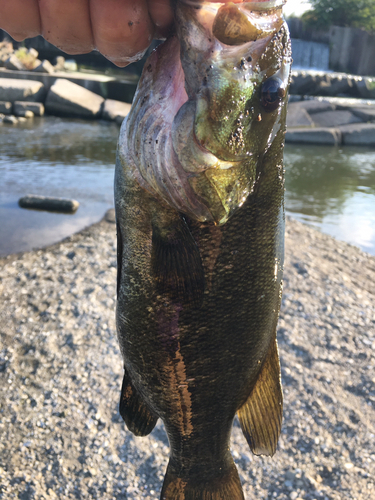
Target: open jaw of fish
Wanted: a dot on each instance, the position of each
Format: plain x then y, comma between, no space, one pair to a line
199,192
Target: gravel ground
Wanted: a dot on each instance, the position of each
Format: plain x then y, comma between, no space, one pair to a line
60,377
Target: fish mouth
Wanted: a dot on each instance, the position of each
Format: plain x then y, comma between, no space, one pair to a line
237,23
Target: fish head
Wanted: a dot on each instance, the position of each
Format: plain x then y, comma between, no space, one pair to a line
236,59
209,104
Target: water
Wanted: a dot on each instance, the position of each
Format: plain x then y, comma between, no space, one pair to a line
54,157
333,189
330,188
310,55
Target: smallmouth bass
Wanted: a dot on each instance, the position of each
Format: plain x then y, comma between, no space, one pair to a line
199,190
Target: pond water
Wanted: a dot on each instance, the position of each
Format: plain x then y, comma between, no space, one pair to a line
54,157
333,189
330,188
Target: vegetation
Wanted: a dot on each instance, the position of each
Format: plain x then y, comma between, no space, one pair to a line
351,13
27,59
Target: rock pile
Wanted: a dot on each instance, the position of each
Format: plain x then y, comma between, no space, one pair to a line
332,121
321,83
314,116
25,59
22,98
29,98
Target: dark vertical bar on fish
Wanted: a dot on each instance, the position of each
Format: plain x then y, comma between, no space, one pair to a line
199,192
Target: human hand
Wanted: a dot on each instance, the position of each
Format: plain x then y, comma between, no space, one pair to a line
121,30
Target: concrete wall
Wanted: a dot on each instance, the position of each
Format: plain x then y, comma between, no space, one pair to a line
352,50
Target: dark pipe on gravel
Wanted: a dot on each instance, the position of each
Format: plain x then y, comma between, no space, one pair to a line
48,203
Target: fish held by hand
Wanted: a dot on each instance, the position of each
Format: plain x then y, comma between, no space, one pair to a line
199,192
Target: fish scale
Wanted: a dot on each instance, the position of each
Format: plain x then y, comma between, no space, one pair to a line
201,244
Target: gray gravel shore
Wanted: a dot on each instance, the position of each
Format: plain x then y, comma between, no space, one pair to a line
60,377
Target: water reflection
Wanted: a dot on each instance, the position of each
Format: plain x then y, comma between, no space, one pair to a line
333,189
57,140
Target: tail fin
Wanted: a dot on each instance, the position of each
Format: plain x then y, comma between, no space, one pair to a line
224,486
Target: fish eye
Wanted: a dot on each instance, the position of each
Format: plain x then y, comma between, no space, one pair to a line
272,93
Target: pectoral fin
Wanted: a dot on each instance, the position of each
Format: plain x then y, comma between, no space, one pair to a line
261,415
176,262
138,417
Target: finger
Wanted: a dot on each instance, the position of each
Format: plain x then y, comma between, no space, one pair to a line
20,18
161,14
67,25
122,29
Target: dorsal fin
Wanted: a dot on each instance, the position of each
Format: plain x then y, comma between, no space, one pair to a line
261,415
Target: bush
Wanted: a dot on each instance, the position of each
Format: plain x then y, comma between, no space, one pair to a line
351,13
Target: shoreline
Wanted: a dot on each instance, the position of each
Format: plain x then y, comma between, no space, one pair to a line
109,217
61,373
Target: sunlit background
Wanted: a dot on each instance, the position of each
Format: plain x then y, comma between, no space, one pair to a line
296,7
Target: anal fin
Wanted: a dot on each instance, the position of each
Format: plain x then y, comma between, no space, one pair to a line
261,415
139,419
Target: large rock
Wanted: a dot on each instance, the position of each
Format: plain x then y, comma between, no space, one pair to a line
58,63
115,110
20,107
336,83
14,63
12,90
110,215
362,134
70,65
44,67
67,98
316,105
297,116
318,83
6,108
6,49
365,87
350,102
304,83
335,118
36,63
10,119
33,53
366,114
25,113
329,136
